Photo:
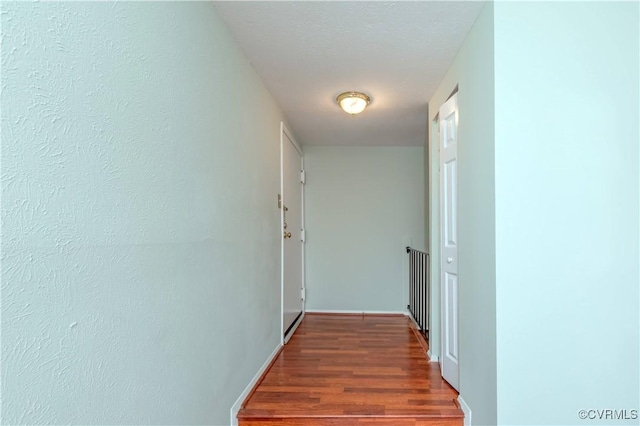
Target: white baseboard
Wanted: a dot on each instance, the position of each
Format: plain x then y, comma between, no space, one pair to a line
432,358
332,311
238,404
412,319
466,410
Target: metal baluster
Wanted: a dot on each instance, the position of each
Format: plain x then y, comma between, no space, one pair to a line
412,283
413,280
428,294
421,291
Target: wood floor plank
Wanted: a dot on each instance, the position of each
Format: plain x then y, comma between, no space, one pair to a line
353,370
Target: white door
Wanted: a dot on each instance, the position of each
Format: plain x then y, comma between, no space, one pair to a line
292,225
448,124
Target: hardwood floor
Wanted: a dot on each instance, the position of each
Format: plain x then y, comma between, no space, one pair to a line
352,370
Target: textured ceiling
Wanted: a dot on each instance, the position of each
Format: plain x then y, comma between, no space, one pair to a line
309,52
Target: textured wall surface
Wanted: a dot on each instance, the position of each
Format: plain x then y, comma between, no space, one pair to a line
364,205
567,132
140,237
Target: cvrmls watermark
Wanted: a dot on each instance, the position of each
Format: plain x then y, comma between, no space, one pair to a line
608,414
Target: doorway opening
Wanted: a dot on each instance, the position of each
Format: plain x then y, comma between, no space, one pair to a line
291,203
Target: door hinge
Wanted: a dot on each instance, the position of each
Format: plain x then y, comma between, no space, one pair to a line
303,176
279,201
303,235
303,293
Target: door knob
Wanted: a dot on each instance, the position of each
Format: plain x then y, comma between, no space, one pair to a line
287,235
449,259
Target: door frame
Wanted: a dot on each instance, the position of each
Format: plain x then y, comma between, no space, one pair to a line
285,132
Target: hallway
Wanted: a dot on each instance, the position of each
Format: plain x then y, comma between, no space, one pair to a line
146,272
352,370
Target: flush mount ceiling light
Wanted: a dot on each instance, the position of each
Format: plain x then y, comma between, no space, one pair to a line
353,102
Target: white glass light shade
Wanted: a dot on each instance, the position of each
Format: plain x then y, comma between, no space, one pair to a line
353,102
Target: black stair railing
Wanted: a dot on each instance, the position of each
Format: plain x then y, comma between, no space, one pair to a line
419,289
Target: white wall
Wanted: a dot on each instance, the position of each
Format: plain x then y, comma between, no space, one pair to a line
364,205
473,72
140,233
567,111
